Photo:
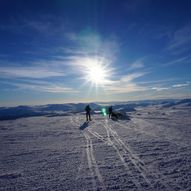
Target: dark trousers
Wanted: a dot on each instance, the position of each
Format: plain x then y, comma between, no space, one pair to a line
88,117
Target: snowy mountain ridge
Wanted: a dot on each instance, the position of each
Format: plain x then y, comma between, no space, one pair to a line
7,113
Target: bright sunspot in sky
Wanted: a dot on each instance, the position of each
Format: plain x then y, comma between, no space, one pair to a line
96,70
96,73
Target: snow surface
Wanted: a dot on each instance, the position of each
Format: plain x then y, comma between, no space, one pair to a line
152,151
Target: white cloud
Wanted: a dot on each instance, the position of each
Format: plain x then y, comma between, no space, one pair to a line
160,88
180,85
137,64
181,60
159,81
170,87
42,86
90,43
126,84
131,77
29,72
124,88
59,89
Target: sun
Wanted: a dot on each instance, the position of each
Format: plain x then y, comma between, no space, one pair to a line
96,72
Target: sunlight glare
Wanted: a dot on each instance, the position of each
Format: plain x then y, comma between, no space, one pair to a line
96,72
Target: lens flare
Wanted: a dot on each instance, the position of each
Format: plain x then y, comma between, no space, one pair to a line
104,112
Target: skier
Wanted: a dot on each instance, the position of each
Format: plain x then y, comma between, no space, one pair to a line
88,109
110,111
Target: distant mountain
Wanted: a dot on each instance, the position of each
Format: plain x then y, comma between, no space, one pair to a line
18,112
185,102
7,113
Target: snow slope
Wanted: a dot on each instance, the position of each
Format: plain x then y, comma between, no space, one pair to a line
152,151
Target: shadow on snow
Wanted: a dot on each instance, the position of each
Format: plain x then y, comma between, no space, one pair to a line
84,125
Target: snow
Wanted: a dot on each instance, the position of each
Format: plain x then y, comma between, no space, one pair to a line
152,151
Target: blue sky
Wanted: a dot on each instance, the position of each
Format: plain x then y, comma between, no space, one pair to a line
48,46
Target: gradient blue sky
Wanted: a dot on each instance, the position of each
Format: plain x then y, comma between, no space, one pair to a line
46,45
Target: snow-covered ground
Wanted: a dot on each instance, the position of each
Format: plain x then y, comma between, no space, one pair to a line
152,151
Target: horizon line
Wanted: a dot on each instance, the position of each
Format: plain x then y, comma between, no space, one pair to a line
89,102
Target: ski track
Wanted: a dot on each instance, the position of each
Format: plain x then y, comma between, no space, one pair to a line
124,151
98,136
139,164
92,164
120,147
90,161
158,176
93,167
81,165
